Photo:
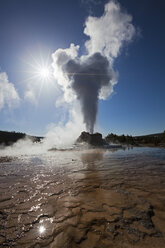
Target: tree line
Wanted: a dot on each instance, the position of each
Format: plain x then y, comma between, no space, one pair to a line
155,139
8,138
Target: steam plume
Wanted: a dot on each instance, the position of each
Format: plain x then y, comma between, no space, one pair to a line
87,78
91,77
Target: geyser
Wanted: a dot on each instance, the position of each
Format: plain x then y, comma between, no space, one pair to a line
91,77
87,78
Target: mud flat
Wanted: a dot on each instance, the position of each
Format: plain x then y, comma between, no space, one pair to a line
80,199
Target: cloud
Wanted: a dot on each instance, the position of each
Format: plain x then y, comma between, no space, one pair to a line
108,33
91,77
30,96
8,93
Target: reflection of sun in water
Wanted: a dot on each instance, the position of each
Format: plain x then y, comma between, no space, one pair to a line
41,229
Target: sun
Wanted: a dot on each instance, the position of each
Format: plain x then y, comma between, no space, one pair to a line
39,68
44,73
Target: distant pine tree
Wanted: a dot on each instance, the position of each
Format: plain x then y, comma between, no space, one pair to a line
164,136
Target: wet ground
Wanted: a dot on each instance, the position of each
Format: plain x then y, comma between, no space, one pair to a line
84,199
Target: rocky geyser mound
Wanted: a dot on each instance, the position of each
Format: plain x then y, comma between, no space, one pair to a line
92,139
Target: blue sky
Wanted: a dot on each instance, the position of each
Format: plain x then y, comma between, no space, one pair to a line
31,31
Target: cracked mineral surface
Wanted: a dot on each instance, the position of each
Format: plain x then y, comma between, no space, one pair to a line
84,199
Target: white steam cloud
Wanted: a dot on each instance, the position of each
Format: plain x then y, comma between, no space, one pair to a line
109,32
92,77
8,93
62,135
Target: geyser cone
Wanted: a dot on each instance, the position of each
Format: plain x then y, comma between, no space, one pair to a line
92,139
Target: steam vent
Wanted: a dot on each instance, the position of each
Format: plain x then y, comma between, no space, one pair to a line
92,139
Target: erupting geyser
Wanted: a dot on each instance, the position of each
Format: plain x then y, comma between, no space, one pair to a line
88,77
85,79
91,76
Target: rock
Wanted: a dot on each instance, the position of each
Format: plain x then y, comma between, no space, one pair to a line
92,139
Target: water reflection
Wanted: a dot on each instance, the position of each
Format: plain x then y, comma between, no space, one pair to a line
93,177
89,158
74,189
